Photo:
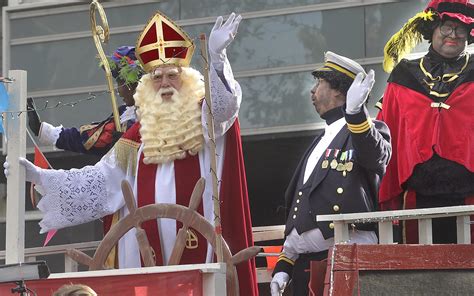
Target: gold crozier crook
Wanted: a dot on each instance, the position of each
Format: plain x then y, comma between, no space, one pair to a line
101,35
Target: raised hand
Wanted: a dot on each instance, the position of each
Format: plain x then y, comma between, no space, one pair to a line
222,35
359,91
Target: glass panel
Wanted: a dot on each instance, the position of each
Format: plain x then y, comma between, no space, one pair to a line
203,8
384,20
293,39
284,99
79,20
64,64
277,100
84,112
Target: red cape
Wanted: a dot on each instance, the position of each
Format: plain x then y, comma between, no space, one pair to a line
418,130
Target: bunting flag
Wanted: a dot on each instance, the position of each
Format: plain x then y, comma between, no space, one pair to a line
49,236
3,104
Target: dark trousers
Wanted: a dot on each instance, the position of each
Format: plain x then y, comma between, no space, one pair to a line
300,278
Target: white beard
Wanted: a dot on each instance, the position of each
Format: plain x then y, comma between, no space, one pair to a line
170,129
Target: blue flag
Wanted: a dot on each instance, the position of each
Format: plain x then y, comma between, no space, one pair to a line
3,103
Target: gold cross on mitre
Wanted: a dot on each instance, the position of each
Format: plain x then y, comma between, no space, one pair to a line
192,240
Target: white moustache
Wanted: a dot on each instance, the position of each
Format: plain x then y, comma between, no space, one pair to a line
159,98
164,90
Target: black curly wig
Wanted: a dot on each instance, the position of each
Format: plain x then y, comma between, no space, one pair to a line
336,80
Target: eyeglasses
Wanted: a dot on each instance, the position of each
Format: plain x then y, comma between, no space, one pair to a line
446,30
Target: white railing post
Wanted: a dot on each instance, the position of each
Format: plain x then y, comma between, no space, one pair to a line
463,224
16,147
425,232
214,284
341,232
385,232
70,265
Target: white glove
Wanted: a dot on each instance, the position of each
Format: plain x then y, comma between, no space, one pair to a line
221,36
359,91
279,282
6,166
32,172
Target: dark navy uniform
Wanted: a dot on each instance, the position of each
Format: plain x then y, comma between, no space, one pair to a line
345,180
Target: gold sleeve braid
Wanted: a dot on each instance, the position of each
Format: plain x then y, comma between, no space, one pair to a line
282,257
360,127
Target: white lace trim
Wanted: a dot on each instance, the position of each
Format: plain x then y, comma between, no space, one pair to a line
72,197
225,102
49,134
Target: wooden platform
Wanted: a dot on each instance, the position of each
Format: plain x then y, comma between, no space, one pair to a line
396,270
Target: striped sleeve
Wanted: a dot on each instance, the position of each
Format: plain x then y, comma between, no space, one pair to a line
359,123
284,264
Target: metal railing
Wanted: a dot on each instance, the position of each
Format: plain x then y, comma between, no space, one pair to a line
262,233
341,232
70,265
385,223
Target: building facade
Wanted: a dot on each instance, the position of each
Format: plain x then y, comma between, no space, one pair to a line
279,43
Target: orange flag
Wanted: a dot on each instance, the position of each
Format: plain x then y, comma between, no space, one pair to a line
40,160
43,163
272,260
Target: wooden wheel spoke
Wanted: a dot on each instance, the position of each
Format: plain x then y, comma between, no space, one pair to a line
79,257
128,196
178,247
146,251
171,211
196,198
246,254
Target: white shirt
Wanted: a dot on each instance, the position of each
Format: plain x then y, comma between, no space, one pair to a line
330,133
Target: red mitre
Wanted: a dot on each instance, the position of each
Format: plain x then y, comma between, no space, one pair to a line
163,42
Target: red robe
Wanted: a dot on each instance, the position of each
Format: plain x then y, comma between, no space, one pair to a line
235,211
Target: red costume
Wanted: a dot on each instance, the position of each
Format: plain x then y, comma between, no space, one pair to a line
428,107
420,129
235,212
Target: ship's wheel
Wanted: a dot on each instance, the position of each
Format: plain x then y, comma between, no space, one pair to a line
188,216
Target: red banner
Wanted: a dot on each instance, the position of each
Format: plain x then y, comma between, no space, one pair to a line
185,283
